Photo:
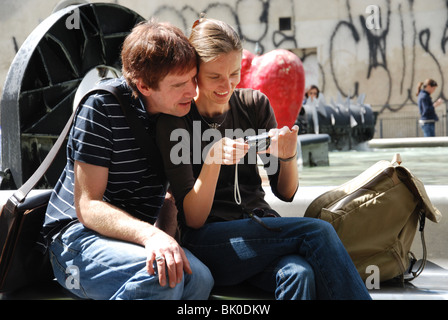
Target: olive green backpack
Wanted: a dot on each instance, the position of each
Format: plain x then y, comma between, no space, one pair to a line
376,216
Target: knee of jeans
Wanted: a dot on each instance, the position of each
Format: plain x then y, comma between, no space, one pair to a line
306,273
297,268
324,228
295,281
203,276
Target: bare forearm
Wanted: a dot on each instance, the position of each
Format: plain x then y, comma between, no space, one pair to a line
198,202
288,179
115,223
167,218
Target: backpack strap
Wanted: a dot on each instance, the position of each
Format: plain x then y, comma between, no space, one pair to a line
19,195
141,135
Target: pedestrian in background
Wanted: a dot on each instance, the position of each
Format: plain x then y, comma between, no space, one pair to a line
428,115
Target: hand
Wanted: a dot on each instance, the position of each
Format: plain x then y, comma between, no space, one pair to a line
283,142
227,151
438,102
166,253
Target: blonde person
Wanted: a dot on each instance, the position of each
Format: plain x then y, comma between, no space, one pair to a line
225,221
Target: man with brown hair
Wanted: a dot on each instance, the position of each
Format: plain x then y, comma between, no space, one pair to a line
101,222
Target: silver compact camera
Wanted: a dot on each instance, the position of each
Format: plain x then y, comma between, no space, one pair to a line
261,142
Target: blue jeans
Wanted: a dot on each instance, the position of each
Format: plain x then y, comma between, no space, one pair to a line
305,260
429,129
96,267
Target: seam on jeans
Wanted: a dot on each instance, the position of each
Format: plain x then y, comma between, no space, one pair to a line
56,264
228,243
325,280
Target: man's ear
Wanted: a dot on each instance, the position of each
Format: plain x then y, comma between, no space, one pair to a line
143,88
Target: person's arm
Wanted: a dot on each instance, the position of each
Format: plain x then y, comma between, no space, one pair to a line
438,102
110,221
198,202
288,178
283,146
167,217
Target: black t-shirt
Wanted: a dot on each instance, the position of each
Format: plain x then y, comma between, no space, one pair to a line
182,142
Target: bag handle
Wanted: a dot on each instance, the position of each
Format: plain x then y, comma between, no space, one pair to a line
408,180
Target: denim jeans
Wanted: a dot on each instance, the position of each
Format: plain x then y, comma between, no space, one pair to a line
429,129
305,260
96,267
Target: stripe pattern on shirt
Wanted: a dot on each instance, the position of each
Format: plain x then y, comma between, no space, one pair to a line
101,136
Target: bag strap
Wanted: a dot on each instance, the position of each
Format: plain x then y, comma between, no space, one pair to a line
19,195
410,182
416,273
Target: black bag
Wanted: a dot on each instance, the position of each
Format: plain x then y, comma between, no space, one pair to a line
22,260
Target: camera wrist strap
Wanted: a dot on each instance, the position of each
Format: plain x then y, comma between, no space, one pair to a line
236,189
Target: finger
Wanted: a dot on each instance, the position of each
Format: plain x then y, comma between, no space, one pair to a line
295,128
150,265
179,266
240,141
185,263
161,270
171,269
273,132
233,154
284,131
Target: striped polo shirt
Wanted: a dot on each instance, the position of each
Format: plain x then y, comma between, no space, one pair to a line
100,136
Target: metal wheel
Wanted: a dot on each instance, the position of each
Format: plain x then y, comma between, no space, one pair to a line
44,77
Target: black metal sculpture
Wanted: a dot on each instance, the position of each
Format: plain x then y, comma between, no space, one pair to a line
44,78
348,123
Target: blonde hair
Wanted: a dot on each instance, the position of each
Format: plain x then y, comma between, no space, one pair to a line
427,82
212,38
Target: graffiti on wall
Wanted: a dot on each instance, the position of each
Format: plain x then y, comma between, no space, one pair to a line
350,58
253,28
398,53
403,51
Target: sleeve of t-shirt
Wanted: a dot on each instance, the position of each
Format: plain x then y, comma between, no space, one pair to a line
91,135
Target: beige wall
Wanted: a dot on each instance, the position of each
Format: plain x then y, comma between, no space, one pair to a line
341,54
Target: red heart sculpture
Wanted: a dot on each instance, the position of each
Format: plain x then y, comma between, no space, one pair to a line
279,74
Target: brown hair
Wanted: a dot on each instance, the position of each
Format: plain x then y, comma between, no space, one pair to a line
211,38
152,50
427,82
313,87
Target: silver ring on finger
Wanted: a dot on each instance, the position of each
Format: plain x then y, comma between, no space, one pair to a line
160,258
